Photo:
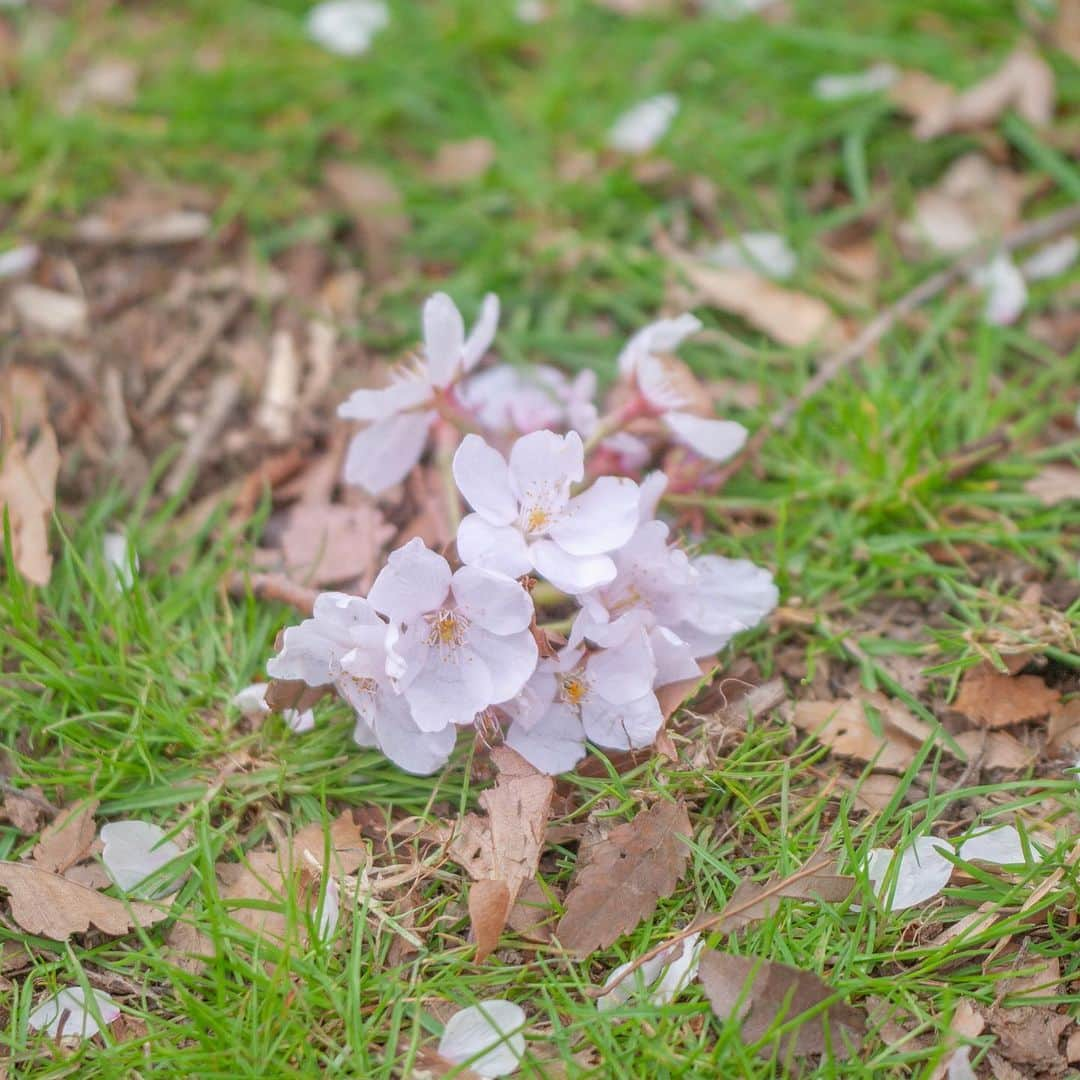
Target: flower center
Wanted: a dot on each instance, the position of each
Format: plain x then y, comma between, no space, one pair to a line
574,689
362,684
446,629
537,519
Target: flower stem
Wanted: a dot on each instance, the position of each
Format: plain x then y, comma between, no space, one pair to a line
446,440
616,421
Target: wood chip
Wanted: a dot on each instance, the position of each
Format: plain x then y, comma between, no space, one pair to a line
628,873
762,993
67,839
992,699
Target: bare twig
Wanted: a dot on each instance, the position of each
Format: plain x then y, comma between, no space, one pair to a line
223,396
193,353
1033,233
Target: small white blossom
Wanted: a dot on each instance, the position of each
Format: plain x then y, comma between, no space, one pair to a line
1051,259
605,697
1000,844
67,1013
640,128
766,252
460,641
485,1037
346,27
507,399
669,390
526,519
134,850
399,416
345,644
1004,289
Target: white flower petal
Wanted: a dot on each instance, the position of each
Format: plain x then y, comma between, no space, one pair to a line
409,748
1051,259
625,673
346,27
384,453
640,128
650,491
70,1007
449,689
251,701
841,87
299,723
486,1037
921,873
18,260
674,658
621,727
444,338
133,850
121,562
1001,845
766,253
493,547
510,661
571,573
554,744
492,601
716,440
415,580
662,336
331,910
960,1065
543,465
483,478
482,334
374,405
602,518
1004,288
671,971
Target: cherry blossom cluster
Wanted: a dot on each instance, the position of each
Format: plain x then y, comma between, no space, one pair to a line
562,525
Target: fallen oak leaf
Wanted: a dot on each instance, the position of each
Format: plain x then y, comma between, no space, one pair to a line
45,903
628,873
67,839
763,994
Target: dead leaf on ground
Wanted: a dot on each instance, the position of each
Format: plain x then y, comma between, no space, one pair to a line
790,318
67,840
348,852
1066,31
503,847
24,813
113,81
326,544
533,913
995,749
28,494
628,872
1024,82
1054,484
992,699
966,1023
459,162
1063,729
45,903
762,993
373,201
1029,1034
845,727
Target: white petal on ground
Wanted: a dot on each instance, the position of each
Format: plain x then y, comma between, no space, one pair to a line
483,478
1001,845
384,453
554,744
640,128
415,580
571,573
493,547
494,602
735,9
765,253
79,1020
134,850
486,1037
716,440
840,87
1051,259
960,1065
922,872
19,260
659,980
299,723
346,27
251,701
602,518
1004,288
120,561
331,910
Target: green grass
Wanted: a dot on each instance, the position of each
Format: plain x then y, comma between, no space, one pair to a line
125,694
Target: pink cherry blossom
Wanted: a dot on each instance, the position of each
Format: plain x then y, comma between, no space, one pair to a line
460,642
669,391
507,399
605,697
345,644
526,519
399,416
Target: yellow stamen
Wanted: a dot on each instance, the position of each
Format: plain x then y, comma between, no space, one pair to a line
537,519
574,689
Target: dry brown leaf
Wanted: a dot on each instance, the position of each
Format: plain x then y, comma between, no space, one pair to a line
348,851
25,814
489,909
460,162
762,993
845,728
66,841
45,903
1024,82
370,196
1029,1034
992,699
1055,483
628,872
327,544
28,493
1066,32
1063,729
189,947
966,1023
920,95
258,889
532,915
995,749
790,318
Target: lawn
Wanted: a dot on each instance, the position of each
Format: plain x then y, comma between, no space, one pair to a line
893,509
